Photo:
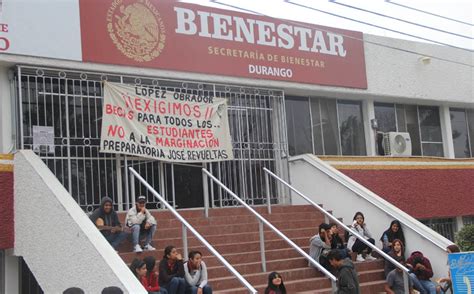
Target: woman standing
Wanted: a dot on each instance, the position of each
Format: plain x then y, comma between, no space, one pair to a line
393,232
355,244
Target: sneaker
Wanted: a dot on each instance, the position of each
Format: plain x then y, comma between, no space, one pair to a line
370,257
137,248
360,257
148,247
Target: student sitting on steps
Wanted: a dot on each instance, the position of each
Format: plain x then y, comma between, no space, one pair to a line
355,244
195,274
140,220
107,221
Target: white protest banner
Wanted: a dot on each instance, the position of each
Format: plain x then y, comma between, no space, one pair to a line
164,125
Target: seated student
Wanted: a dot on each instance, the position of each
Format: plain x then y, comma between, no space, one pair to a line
396,253
171,269
421,273
275,284
320,245
347,278
150,280
107,221
337,242
140,220
395,231
355,244
138,268
446,284
395,283
195,274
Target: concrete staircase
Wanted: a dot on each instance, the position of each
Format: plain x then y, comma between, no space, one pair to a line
234,233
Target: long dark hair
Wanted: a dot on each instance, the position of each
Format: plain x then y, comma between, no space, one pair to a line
391,235
358,213
270,286
168,250
136,264
150,262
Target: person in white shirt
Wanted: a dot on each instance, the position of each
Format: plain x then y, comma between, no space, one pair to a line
195,274
355,244
141,222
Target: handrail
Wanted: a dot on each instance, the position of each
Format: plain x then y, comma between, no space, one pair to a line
343,182
346,228
189,227
278,232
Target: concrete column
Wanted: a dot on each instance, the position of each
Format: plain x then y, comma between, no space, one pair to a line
12,272
459,223
368,113
7,142
446,131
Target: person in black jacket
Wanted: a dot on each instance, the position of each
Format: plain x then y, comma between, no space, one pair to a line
347,279
107,221
171,269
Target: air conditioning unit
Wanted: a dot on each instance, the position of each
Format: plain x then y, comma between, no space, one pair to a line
397,144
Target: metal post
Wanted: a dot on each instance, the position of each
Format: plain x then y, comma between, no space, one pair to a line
132,188
334,287
405,282
206,194
127,187
262,246
267,187
185,241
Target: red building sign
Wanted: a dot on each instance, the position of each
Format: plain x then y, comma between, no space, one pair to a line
192,38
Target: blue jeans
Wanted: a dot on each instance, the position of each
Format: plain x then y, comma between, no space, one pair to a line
138,231
423,286
116,238
175,286
193,290
162,291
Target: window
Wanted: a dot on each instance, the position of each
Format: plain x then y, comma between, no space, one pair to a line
351,128
386,117
299,126
460,133
421,122
325,126
444,226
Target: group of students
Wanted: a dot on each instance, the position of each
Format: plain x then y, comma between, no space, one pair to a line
139,223
328,248
173,275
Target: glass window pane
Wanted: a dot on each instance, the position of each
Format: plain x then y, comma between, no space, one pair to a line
330,129
460,136
430,125
299,126
317,126
401,120
351,128
385,115
433,149
411,116
470,121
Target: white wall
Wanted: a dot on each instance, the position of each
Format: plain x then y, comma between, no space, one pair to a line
59,243
6,103
310,176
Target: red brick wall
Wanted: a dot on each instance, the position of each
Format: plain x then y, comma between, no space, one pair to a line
422,193
6,206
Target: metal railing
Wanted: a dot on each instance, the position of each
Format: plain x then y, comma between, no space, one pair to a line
327,215
360,194
263,221
186,226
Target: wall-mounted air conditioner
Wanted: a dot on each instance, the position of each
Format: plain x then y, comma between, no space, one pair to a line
397,144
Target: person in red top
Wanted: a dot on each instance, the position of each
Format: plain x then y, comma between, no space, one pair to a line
150,280
421,273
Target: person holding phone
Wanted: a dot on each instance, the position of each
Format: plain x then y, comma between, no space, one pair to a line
320,245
